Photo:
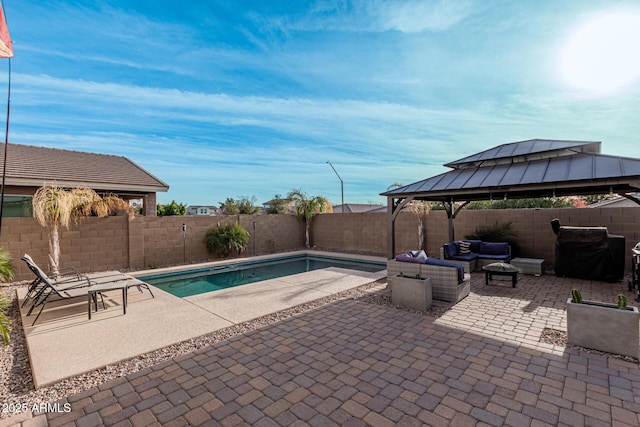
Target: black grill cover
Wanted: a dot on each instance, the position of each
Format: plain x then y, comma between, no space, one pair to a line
589,253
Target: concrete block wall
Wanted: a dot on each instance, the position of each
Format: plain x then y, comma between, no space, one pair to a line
533,227
116,243
349,232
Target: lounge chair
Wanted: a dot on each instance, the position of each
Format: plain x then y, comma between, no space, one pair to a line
64,279
72,278
45,288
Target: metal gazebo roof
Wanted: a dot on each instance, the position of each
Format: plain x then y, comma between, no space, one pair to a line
532,168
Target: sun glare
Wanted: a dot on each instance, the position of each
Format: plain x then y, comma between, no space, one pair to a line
602,57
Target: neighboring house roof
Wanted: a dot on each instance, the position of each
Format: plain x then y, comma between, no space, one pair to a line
28,165
616,202
564,168
357,208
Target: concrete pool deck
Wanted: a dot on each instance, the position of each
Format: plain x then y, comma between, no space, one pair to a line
64,343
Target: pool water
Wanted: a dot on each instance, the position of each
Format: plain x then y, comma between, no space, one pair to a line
194,282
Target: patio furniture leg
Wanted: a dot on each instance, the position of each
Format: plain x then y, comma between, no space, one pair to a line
41,308
146,286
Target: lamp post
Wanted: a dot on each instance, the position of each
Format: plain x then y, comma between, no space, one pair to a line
341,186
184,243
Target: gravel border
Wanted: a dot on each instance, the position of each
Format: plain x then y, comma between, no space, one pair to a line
16,381
559,338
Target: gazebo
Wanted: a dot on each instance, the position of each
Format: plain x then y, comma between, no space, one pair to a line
525,169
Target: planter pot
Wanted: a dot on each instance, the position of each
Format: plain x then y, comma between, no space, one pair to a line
411,293
604,327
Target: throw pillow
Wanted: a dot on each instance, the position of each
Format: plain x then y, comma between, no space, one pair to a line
419,254
465,247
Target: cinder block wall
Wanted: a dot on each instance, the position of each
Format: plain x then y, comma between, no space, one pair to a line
367,233
116,243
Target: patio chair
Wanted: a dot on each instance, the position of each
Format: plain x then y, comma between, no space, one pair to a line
46,288
65,278
72,278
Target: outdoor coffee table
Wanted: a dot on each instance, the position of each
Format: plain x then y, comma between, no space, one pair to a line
501,269
97,289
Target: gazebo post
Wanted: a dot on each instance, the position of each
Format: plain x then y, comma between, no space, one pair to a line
448,207
391,229
393,210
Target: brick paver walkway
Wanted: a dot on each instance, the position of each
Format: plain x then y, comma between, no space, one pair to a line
352,363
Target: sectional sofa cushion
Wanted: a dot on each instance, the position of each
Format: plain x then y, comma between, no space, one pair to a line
491,248
406,257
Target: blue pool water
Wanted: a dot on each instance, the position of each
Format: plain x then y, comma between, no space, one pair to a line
194,282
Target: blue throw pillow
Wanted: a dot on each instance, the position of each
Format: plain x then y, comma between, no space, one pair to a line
450,249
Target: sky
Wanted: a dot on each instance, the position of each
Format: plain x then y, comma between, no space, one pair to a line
246,98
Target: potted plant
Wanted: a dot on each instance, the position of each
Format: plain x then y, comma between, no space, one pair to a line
613,328
411,292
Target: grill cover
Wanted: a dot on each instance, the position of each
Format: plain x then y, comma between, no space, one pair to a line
589,253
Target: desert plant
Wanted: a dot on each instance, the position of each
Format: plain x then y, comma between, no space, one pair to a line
224,239
496,232
306,208
6,274
420,209
55,207
576,296
5,325
622,302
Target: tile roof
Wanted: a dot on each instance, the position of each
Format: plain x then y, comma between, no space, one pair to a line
28,165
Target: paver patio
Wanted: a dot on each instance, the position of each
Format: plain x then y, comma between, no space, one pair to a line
354,363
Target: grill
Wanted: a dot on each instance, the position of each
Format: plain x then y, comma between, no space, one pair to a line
634,282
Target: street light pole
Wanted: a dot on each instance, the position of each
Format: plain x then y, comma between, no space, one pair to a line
341,186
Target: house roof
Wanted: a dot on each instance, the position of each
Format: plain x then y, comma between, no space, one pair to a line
29,165
534,168
616,201
357,207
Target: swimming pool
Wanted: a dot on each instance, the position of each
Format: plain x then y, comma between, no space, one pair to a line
198,281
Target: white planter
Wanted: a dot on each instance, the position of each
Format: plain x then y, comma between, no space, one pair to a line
411,292
604,327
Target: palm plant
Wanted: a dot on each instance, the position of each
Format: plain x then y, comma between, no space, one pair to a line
420,209
223,240
55,207
306,207
6,274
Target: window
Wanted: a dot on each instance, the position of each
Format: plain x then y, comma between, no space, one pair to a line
17,206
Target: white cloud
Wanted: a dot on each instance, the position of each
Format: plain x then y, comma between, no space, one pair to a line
406,16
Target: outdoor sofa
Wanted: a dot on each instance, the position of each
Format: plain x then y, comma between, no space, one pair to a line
449,281
474,254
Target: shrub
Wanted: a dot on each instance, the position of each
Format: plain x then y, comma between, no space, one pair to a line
497,232
225,239
6,274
